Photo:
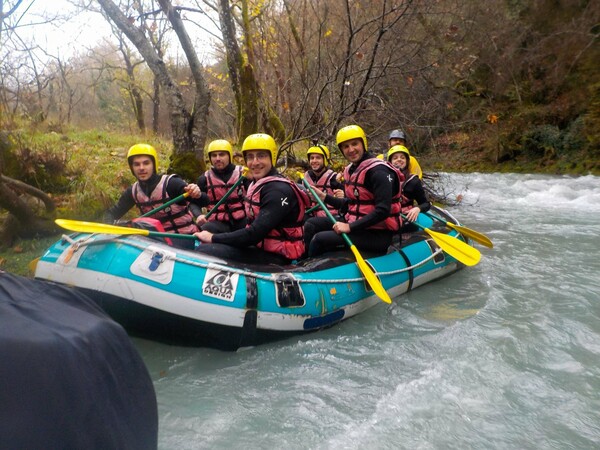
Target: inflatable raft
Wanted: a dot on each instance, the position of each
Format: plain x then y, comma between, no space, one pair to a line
191,298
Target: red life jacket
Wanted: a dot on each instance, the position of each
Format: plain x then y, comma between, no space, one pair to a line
324,184
175,218
286,241
407,203
148,223
233,207
362,200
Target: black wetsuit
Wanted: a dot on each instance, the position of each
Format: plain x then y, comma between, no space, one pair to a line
317,231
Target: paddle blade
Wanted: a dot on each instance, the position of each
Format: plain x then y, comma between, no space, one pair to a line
93,227
370,276
456,248
472,234
32,266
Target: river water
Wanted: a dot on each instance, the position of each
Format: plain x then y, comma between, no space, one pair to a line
505,354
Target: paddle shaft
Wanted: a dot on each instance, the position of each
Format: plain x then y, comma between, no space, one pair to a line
226,196
171,235
324,208
164,205
475,235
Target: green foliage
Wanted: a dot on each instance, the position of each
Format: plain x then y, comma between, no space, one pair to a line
186,165
541,141
38,162
573,139
84,170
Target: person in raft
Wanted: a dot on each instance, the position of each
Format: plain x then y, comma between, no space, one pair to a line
414,200
214,184
321,176
370,207
152,190
275,208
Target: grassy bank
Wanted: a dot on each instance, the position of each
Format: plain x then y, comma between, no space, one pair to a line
20,257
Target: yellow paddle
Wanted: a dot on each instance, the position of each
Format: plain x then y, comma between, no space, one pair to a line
475,235
362,264
456,248
93,227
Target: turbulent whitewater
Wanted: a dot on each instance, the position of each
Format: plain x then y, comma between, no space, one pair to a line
505,354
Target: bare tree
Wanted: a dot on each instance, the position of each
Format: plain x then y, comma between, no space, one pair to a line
188,125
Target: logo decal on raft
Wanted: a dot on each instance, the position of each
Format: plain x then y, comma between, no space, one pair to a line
220,284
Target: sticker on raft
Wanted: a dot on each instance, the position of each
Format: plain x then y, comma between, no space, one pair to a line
220,284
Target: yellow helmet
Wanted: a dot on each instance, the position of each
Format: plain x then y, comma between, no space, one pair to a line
220,145
261,141
320,150
398,149
142,149
351,132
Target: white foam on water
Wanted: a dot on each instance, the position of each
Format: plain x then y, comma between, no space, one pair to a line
530,191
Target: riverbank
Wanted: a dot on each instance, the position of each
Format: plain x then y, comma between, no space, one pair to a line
466,160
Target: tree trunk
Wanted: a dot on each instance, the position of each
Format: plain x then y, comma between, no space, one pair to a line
253,111
21,221
189,128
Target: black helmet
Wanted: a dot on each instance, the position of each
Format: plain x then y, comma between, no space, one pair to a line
397,134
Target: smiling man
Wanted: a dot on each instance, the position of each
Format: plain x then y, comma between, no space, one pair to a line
274,207
370,209
214,184
152,190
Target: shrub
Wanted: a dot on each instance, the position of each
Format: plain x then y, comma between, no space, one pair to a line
543,141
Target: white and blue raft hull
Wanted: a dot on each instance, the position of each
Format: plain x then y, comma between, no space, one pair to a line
190,298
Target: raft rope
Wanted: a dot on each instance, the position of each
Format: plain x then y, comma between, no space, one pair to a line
77,244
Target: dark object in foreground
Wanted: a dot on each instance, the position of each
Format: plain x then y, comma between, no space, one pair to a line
70,376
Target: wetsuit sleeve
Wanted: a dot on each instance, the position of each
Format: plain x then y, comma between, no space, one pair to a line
381,182
335,184
124,204
341,204
175,189
414,190
278,207
196,204
175,186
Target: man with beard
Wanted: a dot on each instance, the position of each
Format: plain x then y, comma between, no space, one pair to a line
214,184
